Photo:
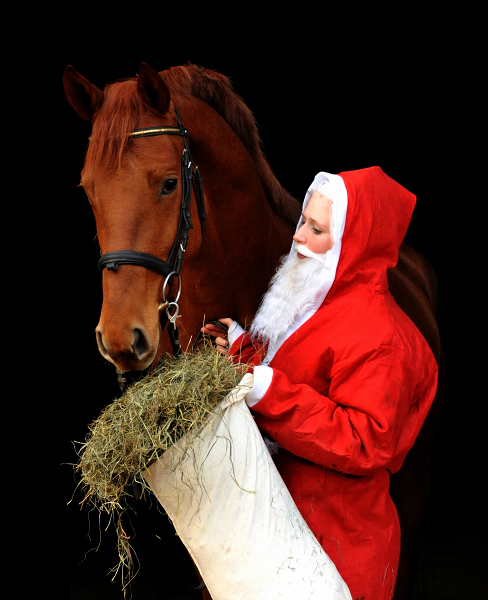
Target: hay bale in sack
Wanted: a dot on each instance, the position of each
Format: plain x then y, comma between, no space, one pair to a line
235,515
150,417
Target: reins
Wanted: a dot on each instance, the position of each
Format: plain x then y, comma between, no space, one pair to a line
190,177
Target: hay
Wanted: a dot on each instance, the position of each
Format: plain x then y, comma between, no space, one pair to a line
151,416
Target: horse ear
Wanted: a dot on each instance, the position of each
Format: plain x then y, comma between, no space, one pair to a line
83,96
153,90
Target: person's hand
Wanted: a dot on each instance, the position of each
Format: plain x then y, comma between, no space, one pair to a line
219,334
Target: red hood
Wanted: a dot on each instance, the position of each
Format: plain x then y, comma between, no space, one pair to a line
378,214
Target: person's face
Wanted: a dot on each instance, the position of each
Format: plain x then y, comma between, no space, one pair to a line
316,225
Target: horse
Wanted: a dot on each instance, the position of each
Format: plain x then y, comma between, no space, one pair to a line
157,136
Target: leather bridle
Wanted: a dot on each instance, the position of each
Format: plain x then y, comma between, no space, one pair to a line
190,174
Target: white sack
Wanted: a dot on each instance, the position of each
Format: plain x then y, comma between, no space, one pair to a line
235,515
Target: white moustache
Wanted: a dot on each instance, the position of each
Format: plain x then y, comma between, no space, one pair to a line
306,252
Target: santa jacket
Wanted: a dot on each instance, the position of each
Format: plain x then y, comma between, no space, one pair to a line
346,394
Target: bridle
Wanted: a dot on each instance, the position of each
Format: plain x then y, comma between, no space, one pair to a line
172,267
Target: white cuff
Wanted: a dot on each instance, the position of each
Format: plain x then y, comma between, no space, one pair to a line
234,333
262,380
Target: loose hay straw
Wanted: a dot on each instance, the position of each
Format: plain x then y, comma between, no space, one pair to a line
150,417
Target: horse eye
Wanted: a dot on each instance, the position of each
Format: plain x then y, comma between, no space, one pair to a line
168,187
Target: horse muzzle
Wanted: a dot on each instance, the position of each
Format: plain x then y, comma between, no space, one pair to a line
129,350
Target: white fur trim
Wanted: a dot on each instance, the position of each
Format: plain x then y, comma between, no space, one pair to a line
234,333
262,380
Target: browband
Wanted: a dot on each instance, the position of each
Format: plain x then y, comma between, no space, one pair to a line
159,131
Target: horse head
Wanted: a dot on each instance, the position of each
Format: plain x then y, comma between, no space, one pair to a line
136,188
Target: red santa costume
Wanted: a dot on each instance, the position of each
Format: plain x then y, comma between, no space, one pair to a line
347,382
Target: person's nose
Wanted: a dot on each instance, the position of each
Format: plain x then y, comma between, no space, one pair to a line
300,236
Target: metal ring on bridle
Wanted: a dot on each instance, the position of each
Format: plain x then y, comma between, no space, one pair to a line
165,302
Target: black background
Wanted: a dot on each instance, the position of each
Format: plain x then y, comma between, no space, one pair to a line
329,93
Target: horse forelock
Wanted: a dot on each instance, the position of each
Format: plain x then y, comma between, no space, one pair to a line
118,116
122,109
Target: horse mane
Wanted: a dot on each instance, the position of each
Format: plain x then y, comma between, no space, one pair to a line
122,109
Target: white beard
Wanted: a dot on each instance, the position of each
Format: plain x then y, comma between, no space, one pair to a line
293,286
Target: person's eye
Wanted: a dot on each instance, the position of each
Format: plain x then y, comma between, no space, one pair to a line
316,231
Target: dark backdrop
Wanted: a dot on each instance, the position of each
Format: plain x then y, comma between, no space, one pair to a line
326,96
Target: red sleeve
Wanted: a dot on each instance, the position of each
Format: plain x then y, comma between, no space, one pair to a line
372,412
247,350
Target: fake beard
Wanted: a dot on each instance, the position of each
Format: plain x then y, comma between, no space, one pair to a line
292,287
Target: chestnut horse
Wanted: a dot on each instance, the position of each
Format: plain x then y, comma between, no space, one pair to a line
134,177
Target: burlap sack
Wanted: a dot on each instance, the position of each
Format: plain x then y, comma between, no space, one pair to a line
235,515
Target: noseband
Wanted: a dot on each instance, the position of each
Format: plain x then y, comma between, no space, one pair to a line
172,267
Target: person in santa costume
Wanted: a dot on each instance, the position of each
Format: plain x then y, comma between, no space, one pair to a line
343,379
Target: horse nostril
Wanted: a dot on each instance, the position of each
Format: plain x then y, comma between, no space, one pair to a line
101,345
140,344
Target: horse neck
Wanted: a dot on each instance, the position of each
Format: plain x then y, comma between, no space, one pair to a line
233,180
244,237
